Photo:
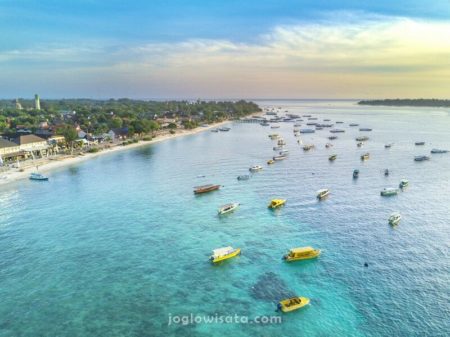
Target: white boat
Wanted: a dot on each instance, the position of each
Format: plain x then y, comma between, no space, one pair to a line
38,176
255,168
275,127
228,208
224,128
394,219
278,158
389,191
323,193
438,151
283,152
403,183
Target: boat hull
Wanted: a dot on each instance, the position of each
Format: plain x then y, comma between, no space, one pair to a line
313,255
292,304
235,253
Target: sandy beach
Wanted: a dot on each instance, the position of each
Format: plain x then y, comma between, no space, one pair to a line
59,161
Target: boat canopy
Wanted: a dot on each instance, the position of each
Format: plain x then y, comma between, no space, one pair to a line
324,190
222,251
301,250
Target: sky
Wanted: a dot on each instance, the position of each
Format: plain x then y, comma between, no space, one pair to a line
225,49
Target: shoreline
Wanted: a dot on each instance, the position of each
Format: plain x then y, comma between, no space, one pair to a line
49,164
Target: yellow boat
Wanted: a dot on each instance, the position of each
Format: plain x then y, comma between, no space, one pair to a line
270,161
301,253
225,253
275,203
292,304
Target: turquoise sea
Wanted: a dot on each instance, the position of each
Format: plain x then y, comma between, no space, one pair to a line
118,245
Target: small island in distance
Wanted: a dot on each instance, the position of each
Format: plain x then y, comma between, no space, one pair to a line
441,103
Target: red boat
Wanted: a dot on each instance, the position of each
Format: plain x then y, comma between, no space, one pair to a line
205,188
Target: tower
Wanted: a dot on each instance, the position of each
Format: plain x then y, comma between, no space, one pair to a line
37,103
18,105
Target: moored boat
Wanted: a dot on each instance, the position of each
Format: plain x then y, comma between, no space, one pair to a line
308,147
365,129
301,253
292,304
273,136
255,168
388,146
323,193
365,156
332,137
394,219
438,151
386,172
228,208
362,139
353,124
243,177
275,203
388,192
332,157
214,130
328,145
206,188
38,176
270,162
421,158
225,253
360,144
307,130
403,183
224,128
419,143
355,174
280,157
337,130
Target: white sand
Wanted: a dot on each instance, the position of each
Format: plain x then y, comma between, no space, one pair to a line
47,164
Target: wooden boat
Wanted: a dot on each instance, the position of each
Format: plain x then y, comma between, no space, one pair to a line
206,188
275,203
228,208
301,253
271,161
323,193
38,176
365,156
225,253
394,219
293,303
332,157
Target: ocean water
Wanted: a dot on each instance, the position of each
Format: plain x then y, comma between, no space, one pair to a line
119,245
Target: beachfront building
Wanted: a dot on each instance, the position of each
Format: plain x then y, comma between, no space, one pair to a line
32,145
10,151
119,133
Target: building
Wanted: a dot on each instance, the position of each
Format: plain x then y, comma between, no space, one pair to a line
37,102
18,105
10,151
31,143
119,133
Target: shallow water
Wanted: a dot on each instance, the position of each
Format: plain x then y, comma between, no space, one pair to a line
117,245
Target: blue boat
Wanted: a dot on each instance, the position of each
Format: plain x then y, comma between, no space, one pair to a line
38,176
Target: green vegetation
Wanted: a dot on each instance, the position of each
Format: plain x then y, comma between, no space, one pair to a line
93,150
440,103
136,116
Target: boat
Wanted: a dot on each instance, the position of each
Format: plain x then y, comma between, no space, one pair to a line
293,303
327,120
312,118
388,146
355,174
225,253
275,203
388,192
297,125
284,152
353,124
319,128
274,136
337,130
328,145
362,139
308,147
243,177
277,148
403,183
224,128
332,137
365,129
419,143
264,124
332,157
214,130
281,142
307,130
421,158
311,123
301,253
38,176
275,127
438,151
394,219
270,162
323,193
255,168
365,156
360,144
278,158
386,172
228,208
306,116
205,188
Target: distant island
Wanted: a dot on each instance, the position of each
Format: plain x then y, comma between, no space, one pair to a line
438,103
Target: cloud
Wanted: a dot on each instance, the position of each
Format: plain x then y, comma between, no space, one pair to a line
342,55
